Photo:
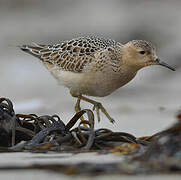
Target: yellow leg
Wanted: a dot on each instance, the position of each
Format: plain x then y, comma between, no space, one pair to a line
97,107
77,105
78,108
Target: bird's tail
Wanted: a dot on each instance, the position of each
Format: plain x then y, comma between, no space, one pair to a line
35,50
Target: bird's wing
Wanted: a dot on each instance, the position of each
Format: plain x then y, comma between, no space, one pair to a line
71,55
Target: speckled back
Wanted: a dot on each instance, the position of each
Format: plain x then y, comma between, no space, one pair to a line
71,55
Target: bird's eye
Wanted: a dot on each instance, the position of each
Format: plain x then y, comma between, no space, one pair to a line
142,52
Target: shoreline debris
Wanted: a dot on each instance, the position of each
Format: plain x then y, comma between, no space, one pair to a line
159,153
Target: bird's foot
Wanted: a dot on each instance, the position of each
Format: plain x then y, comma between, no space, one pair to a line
97,107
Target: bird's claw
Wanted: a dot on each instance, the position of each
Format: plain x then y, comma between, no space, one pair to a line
112,121
97,106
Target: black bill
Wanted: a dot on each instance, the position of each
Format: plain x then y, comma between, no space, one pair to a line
164,64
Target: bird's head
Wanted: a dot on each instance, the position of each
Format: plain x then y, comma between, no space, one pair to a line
139,53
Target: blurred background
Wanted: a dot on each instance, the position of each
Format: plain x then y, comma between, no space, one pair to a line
146,105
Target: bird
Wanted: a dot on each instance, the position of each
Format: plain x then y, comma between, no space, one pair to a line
95,66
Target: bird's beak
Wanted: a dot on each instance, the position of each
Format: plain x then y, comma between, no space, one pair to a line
159,62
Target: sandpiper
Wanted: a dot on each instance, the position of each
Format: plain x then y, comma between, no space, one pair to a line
95,66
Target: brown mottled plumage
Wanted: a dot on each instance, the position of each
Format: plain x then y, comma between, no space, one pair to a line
71,55
95,66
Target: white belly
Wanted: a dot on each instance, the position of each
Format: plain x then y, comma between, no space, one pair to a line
91,83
